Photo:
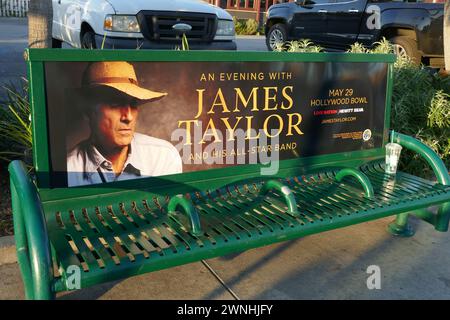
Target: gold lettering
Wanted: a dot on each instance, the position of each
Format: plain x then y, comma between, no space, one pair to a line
268,98
292,125
222,103
230,130
245,102
200,102
280,126
210,131
188,129
250,129
287,97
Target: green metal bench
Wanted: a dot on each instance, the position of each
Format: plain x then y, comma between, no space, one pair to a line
119,230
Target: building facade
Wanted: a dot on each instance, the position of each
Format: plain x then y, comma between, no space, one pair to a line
247,9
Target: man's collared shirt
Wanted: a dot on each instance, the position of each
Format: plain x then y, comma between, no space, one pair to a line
147,157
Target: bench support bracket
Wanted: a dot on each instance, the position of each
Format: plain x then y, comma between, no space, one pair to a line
189,209
441,222
361,177
285,191
400,227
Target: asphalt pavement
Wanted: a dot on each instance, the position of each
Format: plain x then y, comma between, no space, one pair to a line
13,41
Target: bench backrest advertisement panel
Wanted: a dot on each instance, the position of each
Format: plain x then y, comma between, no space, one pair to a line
115,120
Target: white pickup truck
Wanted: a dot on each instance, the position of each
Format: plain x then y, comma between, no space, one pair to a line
143,24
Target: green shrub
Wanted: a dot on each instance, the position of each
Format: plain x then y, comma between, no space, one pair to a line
420,103
358,48
302,45
15,125
420,108
239,27
246,26
251,26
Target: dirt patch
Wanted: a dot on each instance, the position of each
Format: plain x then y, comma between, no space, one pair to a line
6,220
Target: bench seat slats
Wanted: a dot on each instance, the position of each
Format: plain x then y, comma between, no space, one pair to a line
132,237
403,187
230,222
122,244
92,241
106,241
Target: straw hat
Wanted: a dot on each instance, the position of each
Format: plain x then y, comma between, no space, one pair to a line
117,75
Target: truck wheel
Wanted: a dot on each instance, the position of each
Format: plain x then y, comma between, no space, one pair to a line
56,43
277,34
88,40
406,47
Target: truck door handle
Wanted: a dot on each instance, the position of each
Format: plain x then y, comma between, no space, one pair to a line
353,10
322,11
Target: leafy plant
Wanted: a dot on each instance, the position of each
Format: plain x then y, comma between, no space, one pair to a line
279,47
302,45
357,48
15,124
246,26
420,108
420,103
184,44
103,42
251,26
239,27
383,46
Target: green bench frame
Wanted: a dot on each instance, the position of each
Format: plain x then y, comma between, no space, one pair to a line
223,211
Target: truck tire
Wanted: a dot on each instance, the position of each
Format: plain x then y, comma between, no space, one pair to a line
277,33
88,40
405,46
56,43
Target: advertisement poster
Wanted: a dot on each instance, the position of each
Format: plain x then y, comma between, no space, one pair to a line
111,121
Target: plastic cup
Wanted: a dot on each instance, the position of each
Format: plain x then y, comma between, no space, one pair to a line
393,151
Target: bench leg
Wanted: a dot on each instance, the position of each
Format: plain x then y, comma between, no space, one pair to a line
400,227
443,217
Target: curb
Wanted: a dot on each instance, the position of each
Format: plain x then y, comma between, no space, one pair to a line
7,250
250,37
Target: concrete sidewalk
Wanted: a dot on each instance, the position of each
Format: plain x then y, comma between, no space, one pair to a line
331,265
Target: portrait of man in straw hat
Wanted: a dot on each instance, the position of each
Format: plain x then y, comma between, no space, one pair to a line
111,96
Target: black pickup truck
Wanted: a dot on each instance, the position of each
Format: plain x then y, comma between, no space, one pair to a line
415,27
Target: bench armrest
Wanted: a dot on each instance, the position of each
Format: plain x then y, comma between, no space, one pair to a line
188,209
285,191
443,217
361,177
426,152
32,242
